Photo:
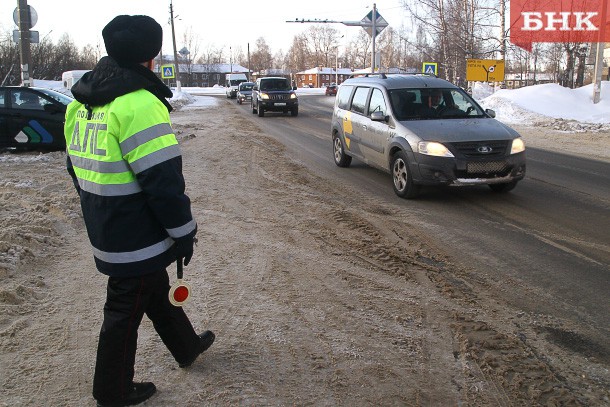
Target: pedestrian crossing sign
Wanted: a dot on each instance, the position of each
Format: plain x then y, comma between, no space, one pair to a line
167,71
430,68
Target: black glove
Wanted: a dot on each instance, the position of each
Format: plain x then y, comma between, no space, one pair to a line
183,248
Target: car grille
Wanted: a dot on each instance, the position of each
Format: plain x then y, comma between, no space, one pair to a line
482,148
487,167
279,97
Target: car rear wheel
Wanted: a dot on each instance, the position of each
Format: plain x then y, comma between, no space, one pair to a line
341,159
401,175
503,187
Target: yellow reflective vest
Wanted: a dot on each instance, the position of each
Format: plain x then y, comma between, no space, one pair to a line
127,167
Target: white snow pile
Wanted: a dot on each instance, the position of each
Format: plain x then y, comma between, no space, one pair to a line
549,105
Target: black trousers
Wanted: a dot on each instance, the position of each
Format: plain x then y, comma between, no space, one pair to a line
127,300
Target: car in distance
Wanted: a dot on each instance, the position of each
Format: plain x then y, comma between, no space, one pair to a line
274,94
32,118
232,81
244,92
424,131
331,90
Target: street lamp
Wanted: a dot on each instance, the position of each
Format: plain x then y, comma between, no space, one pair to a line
337,63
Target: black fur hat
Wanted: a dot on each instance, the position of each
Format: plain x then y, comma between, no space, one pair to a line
132,39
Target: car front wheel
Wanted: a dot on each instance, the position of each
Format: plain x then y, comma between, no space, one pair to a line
341,159
401,175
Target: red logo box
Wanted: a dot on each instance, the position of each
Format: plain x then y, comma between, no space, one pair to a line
558,21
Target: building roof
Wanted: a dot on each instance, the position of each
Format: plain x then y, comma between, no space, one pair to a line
327,71
205,68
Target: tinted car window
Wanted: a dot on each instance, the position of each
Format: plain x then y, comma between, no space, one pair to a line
426,103
377,103
345,92
359,101
60,97
28,100
275,84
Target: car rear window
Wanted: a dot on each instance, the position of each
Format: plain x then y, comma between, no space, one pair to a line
345,91
359,101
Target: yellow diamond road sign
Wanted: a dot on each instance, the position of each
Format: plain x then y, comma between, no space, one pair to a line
485,70
167,71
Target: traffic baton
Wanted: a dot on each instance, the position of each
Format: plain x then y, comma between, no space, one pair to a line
180,292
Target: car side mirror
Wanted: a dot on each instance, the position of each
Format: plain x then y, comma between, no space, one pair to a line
294,88
378,117
491,113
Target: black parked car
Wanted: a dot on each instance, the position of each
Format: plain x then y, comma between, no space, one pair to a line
32,118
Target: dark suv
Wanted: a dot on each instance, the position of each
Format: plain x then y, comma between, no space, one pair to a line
274,94
424,131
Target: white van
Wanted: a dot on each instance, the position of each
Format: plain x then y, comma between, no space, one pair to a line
232,81
69,78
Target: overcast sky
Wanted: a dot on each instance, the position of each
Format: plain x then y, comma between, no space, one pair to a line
235,24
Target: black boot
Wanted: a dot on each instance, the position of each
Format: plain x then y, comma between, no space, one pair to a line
207,339
140,392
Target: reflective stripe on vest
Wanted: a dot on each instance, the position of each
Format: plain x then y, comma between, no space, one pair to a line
136,255
182,230
108,150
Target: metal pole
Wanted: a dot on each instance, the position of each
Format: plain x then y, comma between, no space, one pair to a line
24,41
249,70
599,60
374,35
177,63
337,65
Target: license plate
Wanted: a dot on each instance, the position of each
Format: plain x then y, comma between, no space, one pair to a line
280,104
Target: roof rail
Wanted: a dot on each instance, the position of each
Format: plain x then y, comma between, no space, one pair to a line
384,75
381,75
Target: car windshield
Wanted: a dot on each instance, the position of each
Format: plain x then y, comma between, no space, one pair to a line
430,104
275,84
246,87
60,97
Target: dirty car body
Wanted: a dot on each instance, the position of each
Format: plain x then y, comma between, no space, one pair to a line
424,131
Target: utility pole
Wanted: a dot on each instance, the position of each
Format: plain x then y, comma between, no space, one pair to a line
599,60
176,62
25,23
249,70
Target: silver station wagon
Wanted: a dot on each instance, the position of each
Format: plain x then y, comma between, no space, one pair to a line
424,131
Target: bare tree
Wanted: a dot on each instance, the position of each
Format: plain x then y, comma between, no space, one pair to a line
261,57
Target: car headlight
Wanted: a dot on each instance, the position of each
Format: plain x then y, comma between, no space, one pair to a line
293,96
433,148
518,146
264,96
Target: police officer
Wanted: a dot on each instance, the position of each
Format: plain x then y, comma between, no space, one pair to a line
127,168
